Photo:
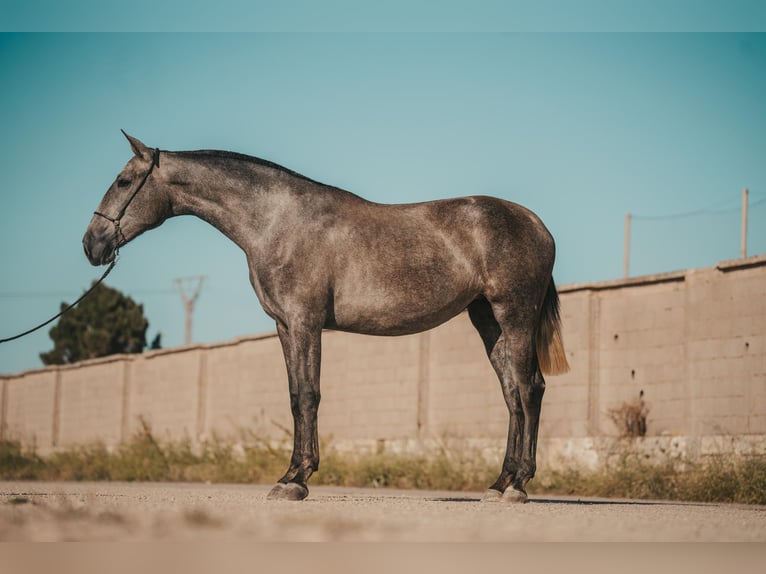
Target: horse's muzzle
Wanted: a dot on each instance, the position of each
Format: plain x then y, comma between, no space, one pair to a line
98,250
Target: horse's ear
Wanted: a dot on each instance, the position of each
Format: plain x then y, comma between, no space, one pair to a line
138,147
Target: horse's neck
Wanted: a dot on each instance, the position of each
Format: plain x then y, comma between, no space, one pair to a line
238,202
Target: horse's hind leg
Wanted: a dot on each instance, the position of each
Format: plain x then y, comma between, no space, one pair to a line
509,343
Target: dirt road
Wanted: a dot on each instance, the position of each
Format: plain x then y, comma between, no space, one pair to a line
36,511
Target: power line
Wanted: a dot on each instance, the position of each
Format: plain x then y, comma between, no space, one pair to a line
34,294
684,215
710,210
704,211
72,295
746,205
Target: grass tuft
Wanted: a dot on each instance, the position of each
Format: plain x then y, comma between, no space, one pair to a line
720,478
739,479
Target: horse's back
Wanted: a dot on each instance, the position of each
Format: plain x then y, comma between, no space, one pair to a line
482,233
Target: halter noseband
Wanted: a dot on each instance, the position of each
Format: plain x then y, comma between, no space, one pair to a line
119,235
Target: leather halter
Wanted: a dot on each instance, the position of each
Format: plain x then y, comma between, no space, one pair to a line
116,220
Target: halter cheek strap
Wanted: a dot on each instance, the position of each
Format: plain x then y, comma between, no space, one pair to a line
119,235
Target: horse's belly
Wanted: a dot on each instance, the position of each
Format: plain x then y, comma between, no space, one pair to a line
403,282
389,314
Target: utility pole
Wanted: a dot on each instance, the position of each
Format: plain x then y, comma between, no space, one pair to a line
626,248
189,301
743,243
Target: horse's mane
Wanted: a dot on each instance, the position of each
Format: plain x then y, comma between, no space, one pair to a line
219,154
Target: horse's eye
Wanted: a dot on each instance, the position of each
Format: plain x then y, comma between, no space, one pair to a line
123,182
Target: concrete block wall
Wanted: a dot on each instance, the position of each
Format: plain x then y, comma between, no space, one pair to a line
369,387
28,408
727,350
464,395
693,341
245,389
163,390
570,403
641,348
90,404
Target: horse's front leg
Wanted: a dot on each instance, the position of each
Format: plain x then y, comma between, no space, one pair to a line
302,350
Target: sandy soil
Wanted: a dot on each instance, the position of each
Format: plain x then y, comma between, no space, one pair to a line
41,511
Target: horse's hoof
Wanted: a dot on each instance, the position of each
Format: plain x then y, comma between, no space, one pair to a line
289,491
491,495
513,496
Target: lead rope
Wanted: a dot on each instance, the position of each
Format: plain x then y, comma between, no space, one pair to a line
84,295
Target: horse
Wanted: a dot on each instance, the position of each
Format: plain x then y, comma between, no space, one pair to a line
323,258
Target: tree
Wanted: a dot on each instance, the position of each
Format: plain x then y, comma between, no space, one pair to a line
106,322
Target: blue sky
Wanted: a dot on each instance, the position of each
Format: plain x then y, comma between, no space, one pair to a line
579,127
376,16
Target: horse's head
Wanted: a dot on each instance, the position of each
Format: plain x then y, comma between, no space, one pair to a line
135,202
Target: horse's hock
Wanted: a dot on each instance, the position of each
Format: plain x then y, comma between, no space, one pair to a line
693,341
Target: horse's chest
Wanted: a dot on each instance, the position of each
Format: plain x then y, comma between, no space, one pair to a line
289,287
267,295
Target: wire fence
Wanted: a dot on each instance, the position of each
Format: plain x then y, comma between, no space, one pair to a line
695,238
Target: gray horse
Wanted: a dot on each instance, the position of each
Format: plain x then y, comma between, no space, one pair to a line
324,258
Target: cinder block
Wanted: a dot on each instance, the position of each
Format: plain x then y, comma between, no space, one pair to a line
565,395
719,387
756,424
714,410
666,415
719,425
563,427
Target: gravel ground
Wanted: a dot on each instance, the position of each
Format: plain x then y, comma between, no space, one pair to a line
107,511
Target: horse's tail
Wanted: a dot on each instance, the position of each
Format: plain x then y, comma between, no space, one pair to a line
550,346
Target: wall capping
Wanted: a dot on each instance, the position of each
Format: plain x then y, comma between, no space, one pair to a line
671,277
737,264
